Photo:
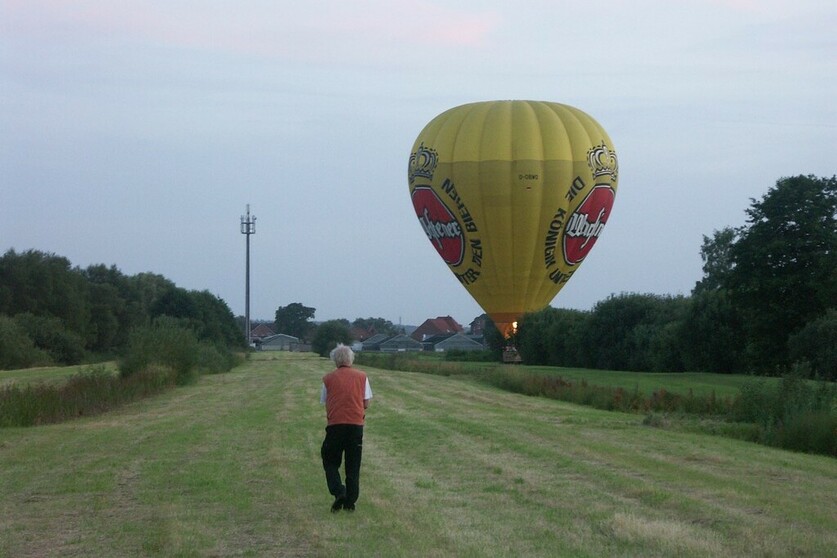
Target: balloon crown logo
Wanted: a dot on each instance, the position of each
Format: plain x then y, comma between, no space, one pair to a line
422,163
602,161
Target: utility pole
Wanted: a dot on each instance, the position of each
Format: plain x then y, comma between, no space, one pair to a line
248,227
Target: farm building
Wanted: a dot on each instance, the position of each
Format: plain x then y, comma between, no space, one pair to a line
452,342
400,343
279,342
374,342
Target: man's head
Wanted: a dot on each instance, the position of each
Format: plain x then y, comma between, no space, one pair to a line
342,355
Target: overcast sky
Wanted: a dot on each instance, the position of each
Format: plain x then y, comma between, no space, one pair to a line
134,133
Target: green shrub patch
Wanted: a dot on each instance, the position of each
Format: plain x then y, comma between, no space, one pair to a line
88,393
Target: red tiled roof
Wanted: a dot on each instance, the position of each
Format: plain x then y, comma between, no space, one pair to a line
435,326
262,330
361,334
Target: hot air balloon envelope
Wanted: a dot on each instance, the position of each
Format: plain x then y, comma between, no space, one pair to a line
513,195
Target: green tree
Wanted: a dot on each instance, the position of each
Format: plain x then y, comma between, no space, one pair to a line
146,289
49,334
175,303
568,331
295,319
328,335
716,253
552,336
45,285
532,339
609,340
711,337
493,339
634,332
816,345
16,348
116,307
783,265
215,321
106,309
377,325
61,306
206,314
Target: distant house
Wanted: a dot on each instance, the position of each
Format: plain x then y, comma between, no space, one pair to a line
478,325
280,342
361,333
400,343
436,326
452,342
261,331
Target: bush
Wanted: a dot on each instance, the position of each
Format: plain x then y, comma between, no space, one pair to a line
17,349
809,431
795,414
816,346
49,334
164,343
755,403
328,335
213,359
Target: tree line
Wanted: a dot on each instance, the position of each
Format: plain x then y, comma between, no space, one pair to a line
766,304
54,313
298,320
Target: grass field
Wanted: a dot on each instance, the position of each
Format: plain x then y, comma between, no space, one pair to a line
230,467
47,374
700,383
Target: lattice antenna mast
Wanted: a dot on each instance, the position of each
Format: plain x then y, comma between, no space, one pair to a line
248,227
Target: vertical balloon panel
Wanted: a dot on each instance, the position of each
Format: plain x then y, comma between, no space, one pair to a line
513,195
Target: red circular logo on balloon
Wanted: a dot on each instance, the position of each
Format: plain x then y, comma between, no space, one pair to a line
440,225
585,225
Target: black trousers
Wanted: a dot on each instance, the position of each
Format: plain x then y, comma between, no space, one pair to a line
340,440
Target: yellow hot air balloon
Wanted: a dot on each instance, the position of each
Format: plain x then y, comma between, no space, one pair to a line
513,195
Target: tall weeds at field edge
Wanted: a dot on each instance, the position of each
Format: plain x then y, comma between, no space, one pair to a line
607,398
796,414
160,355
88,393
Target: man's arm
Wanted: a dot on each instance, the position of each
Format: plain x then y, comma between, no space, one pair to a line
367,394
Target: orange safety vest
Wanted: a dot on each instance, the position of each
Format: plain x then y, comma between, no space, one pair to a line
345,389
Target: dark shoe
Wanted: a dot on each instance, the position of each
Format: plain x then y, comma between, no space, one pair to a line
338,504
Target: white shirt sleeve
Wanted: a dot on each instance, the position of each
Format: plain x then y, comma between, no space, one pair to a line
368,392
323,394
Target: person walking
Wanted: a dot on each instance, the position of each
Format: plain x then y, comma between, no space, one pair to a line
346,394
